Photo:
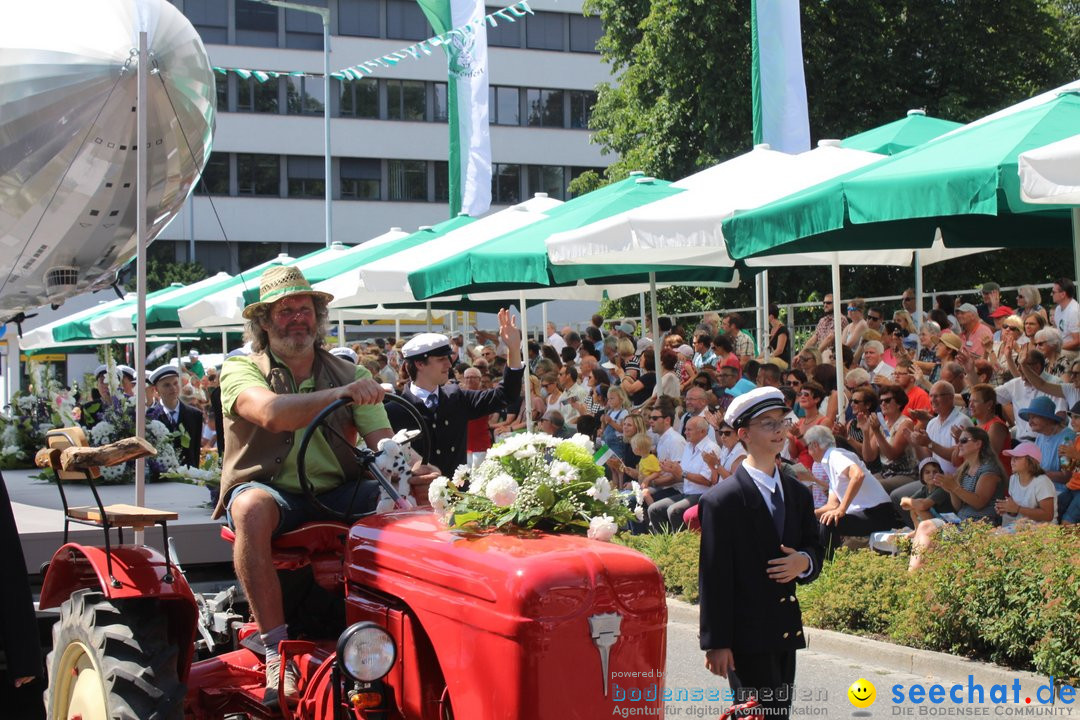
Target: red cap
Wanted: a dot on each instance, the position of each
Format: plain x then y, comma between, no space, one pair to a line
1001,312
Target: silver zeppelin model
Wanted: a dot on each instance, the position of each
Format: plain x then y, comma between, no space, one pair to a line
68,81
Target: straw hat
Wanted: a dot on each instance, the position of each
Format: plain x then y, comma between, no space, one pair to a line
279,282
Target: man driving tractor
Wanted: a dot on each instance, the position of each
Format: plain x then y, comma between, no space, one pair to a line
268,398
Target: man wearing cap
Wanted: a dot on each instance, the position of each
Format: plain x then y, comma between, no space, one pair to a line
446,407
268,398
176,415
194,364
974,333
1051,432
991,295
101,398
759,537
1020,392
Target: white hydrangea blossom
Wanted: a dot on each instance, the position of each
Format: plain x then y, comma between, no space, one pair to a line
156,431
502,490
102,433
602,528
439,494
562,472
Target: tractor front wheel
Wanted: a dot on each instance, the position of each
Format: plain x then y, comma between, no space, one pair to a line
112,661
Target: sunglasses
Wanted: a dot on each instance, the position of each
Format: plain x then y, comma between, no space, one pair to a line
727,433
886,399
873,318
656,417
965,441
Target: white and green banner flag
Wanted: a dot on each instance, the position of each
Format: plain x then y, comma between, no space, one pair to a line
602,455
780,113
467,101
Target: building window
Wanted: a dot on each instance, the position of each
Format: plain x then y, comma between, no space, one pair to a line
258,174
442,181
359,18
581,105
215,176
505,34
544,31
304,95
255,96
210,18
405,21
360,98
221,87
250,254
440,111
585,32
406,100
548,179
214,256
304,30
306,176
360,179
545,107
256,24
505,184
504,105
407,179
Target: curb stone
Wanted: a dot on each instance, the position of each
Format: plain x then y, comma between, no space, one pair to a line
898,658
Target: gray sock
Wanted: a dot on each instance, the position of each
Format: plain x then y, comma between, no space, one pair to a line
271,640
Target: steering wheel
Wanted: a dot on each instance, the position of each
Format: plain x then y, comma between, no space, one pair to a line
365,458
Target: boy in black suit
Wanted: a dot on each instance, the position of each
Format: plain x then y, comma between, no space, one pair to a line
758,538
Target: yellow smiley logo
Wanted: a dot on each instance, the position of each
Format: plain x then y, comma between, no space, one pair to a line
862,693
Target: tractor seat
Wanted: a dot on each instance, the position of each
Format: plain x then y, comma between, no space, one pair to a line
318,544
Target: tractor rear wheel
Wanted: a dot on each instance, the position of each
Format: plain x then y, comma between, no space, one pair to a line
112,660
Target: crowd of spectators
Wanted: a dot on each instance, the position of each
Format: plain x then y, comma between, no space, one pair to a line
967,412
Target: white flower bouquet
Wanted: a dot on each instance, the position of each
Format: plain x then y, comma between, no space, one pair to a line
533,481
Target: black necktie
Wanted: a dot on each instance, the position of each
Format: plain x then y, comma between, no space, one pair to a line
431,401
776,507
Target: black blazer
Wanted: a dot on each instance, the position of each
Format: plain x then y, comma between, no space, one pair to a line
192,419
448,423
741,607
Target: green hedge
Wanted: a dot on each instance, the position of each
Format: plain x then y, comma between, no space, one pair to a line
676,555
1011,599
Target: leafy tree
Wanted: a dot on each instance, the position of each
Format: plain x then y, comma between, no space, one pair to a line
682,100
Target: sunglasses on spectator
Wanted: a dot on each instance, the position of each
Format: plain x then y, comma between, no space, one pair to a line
887,399
727,433
851,308
875,318
656,417
965,441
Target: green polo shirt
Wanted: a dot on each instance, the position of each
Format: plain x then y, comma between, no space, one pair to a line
324,473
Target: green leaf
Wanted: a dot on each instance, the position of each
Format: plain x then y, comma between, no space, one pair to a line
545,495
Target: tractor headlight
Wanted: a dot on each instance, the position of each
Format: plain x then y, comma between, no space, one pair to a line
366,652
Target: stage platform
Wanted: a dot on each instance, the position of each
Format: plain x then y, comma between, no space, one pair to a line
38,514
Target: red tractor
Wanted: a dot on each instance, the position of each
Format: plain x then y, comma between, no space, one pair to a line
419,621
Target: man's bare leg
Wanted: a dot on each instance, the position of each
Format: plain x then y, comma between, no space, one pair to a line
255,517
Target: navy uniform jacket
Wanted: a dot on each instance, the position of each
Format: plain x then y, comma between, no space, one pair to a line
192,419
741,607
448,422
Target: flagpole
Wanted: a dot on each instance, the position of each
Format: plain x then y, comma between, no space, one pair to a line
141,186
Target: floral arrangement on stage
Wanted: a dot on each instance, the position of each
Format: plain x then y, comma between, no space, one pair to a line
208,473
45,406
534,481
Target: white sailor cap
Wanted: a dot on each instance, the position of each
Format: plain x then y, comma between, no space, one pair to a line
193,353
346,354
126,370
426,345
101,370
749,405
163,372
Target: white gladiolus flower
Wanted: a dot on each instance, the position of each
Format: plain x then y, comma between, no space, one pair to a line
602,528
639,513
600,491
461,476
502,490
639,495
583,441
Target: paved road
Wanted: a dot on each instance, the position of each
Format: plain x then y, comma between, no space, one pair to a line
822,682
